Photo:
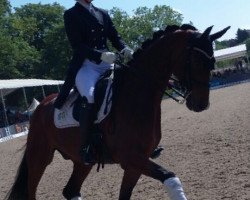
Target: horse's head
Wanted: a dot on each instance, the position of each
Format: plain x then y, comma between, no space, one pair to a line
192,64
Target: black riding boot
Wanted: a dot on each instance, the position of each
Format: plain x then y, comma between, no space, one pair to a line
86,127
66,87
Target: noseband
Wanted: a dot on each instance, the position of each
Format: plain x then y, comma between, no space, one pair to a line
184,89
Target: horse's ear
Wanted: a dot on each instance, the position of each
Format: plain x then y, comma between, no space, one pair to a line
217,35
206,33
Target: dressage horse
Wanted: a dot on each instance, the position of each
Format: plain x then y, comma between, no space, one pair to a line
133,130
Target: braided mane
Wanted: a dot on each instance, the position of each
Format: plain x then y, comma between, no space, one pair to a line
157,35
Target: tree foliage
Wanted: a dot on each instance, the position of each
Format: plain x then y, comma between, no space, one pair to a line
144,21
242,35
25,39
4,8
17,58
33,43
34,21
248,45
57,53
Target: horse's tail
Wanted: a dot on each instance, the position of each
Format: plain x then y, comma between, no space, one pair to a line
19,189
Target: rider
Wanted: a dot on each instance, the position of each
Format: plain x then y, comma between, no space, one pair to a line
88,28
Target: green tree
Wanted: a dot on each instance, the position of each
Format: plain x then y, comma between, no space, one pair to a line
241,35
22,39
248,45
143,22
5,8
33,22
16,58
7,62
57,53
40,28
34,44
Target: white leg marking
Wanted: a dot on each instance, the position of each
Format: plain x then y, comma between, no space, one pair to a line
76,198
174,189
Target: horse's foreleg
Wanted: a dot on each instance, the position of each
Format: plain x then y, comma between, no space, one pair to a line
73,187
129,181
151,169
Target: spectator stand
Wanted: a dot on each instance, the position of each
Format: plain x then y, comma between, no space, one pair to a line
237,72
236,52
10,129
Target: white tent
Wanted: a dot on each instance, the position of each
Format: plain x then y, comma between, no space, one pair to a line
230,53
8,86
33,105
19,83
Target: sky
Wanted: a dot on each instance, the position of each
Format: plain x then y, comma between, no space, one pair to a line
203,13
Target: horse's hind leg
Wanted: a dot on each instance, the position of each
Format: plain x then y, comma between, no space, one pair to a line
151,169
39,155
129,181
73,187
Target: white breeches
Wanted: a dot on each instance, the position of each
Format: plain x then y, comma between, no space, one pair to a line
87,77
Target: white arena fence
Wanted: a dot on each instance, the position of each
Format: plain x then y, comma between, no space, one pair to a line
229,84
9,137
14,131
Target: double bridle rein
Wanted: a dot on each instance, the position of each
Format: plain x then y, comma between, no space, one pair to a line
185,89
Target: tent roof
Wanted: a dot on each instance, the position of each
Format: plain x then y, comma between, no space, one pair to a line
19,83
230,53
33,105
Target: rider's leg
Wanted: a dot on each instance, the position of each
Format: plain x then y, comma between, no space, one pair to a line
85,83
86,79
66,87
86,126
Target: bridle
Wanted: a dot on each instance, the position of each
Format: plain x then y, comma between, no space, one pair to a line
184,89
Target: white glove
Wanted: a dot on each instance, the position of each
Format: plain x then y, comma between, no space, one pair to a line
128,53
108,57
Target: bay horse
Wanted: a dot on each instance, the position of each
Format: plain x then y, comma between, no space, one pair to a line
134,131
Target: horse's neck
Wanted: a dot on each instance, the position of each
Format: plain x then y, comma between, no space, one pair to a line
154,64
145,83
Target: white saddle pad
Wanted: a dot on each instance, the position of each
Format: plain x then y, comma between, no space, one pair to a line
63,118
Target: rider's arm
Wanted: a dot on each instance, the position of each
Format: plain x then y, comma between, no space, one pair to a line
113,35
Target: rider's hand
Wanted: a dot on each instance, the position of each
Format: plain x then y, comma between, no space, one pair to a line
128,53
108,57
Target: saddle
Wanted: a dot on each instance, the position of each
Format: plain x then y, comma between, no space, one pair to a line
106,91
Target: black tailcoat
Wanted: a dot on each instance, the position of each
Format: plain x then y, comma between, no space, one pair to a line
87,35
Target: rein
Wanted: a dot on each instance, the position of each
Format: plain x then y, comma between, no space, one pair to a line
178,90
204,53
182,89
186,90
